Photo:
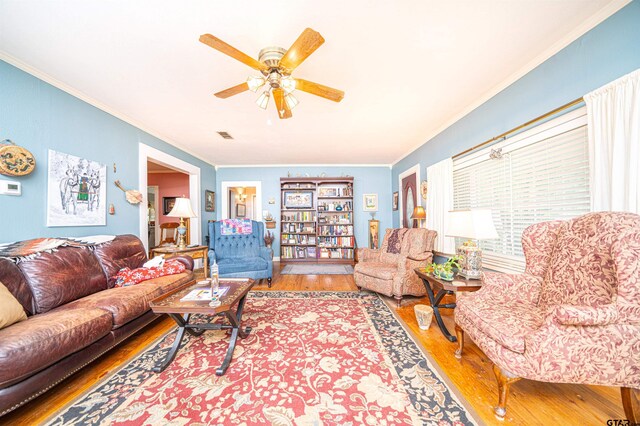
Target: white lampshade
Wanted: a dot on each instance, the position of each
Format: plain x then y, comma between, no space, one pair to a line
288,84
290,100
472,224
182,208
255,83
263,99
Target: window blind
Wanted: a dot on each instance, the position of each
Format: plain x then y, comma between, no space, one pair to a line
539,175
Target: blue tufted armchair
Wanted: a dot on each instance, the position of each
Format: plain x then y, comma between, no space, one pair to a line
241,256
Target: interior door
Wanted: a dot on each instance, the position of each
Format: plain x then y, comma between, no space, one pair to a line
409,194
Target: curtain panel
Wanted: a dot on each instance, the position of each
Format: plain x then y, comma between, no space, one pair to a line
440,202
614,144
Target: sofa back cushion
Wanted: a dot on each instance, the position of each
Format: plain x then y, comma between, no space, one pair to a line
582,270
11,276
124,251
61,276
403,242
237,245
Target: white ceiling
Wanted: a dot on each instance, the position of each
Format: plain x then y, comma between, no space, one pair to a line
409,68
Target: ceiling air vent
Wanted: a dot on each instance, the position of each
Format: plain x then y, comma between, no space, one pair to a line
225,135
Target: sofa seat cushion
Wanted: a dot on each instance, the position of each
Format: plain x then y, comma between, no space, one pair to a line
507,325
128,303
383,271
29,346
241,264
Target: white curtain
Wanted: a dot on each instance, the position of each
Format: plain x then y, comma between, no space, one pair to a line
440,202
614,144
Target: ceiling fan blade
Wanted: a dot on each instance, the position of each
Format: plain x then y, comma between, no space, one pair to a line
229,50
300,50
242,87
319,90
281,105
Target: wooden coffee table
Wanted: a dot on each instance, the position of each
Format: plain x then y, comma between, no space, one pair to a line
431,284
181,312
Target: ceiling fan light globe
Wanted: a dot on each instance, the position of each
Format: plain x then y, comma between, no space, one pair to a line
288,84
255,83
263,99
291,101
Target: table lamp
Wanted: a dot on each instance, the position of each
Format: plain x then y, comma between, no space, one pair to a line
474,225
182,208
419,214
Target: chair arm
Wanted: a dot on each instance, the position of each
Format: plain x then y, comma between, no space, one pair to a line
585,315
366,254
512,286
425,256
266,253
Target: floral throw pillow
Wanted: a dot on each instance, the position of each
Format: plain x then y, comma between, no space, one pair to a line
127,276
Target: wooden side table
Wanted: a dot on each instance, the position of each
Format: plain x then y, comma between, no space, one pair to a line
195,252
432,284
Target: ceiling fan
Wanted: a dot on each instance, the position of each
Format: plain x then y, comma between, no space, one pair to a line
276,65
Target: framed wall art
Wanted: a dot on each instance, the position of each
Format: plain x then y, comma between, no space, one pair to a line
209,201
167,204
396,196
76,191
297,199
241,210
370,202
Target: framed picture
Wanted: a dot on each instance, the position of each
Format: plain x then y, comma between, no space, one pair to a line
209,201
298,199
241,210
328,192
374,234
167,204
76,191
395,201
370,202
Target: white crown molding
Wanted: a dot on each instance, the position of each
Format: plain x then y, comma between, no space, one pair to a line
238,166
94,102
583,28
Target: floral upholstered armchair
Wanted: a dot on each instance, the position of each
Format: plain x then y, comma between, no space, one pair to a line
389,270
573,316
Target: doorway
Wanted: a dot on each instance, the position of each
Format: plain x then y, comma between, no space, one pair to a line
241,199
146,154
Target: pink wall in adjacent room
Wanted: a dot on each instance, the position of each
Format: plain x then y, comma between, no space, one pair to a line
169,185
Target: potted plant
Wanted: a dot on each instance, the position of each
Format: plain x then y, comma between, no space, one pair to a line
445,270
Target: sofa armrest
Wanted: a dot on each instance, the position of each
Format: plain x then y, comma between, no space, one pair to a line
585,315
266,253
367,254
187,261
511,287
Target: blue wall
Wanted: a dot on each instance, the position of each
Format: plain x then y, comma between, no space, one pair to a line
367,180
40,117
609,51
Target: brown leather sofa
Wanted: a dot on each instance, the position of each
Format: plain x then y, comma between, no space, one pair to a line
74,313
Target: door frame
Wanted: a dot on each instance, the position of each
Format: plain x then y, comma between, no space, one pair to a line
156,190
146,153
411,170
224,196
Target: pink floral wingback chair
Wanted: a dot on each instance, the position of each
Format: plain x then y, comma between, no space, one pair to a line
389,270
573,316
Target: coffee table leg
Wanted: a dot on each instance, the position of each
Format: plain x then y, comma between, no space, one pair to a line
435,300
237,330
176,343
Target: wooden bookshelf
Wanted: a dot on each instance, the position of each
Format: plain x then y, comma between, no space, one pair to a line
317,220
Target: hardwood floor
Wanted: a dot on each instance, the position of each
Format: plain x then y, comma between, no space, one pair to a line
530,403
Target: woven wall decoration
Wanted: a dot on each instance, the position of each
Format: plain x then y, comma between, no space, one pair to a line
15,160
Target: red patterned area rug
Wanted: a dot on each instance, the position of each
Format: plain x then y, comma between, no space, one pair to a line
312,358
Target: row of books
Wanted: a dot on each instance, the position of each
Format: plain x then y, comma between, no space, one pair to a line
298,239
335,241
297,228
332,230
299,217
341,253
290,252
344,218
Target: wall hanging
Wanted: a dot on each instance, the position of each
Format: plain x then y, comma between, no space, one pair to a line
133,196
76,194
15,160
